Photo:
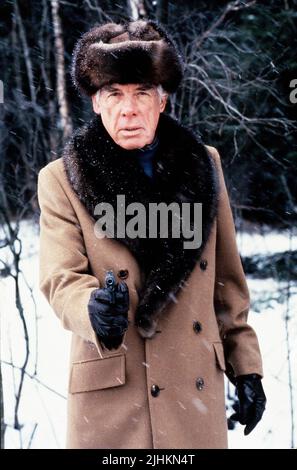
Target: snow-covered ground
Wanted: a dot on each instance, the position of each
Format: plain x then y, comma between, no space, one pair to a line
50,344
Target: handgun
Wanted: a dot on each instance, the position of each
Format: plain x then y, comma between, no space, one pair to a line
110,283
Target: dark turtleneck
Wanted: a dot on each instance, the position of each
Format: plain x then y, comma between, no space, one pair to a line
145,156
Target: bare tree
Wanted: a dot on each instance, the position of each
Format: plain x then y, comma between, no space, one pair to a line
66,122
10,239
136,9
162,11
218,87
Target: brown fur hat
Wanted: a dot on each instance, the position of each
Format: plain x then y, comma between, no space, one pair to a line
135,52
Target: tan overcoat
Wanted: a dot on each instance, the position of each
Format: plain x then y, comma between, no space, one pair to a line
163,392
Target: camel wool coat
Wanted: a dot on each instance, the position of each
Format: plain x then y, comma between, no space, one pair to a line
160,391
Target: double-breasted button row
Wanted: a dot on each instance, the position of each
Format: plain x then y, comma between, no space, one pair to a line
124,273
155,389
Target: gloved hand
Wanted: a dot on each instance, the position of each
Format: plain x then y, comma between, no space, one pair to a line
252,401
109,315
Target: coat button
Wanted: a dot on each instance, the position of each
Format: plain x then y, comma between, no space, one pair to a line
155,390
123,273
200,383
197,327
203,264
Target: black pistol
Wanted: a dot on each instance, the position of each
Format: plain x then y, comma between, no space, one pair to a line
110,283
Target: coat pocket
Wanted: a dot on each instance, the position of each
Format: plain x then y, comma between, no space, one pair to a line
220,357
98,374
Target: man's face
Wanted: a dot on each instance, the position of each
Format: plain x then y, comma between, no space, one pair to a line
129,113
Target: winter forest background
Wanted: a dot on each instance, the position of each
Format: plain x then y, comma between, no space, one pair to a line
238,95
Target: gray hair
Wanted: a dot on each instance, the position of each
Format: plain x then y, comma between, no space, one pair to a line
161,92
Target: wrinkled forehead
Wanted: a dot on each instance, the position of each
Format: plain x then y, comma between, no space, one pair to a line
128,87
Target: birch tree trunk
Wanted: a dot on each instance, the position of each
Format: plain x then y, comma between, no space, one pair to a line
66,121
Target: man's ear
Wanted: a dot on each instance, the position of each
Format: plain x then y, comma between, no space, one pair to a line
95,103
163,103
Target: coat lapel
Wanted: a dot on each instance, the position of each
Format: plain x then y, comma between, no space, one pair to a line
98,170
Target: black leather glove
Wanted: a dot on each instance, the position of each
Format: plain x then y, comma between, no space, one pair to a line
252,401
109,314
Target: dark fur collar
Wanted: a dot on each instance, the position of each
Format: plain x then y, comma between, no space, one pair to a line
98,170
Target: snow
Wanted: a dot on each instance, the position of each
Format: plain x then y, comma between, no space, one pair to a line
273,431
273,241
38,405
47,409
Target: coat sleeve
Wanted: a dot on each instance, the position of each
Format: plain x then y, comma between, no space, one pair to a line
64,277
231,294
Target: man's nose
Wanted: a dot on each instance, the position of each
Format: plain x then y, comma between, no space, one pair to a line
129,107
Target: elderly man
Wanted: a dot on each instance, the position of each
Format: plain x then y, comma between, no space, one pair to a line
148,354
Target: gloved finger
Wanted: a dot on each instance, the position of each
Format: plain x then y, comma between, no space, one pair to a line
104,320
236,407
100,325
122,287
112,342
122,294
234,417
97,322
113,325
114,330
102,295
103,311
122,310
231,424
122,303
121,322
246,410
245,414
258,410
250,426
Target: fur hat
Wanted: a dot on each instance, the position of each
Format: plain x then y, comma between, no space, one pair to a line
136,52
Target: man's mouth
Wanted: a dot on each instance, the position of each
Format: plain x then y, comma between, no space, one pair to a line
130,129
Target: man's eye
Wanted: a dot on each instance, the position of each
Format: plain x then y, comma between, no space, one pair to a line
115,93
142,93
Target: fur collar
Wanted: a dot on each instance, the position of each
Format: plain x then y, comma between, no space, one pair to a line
98,170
